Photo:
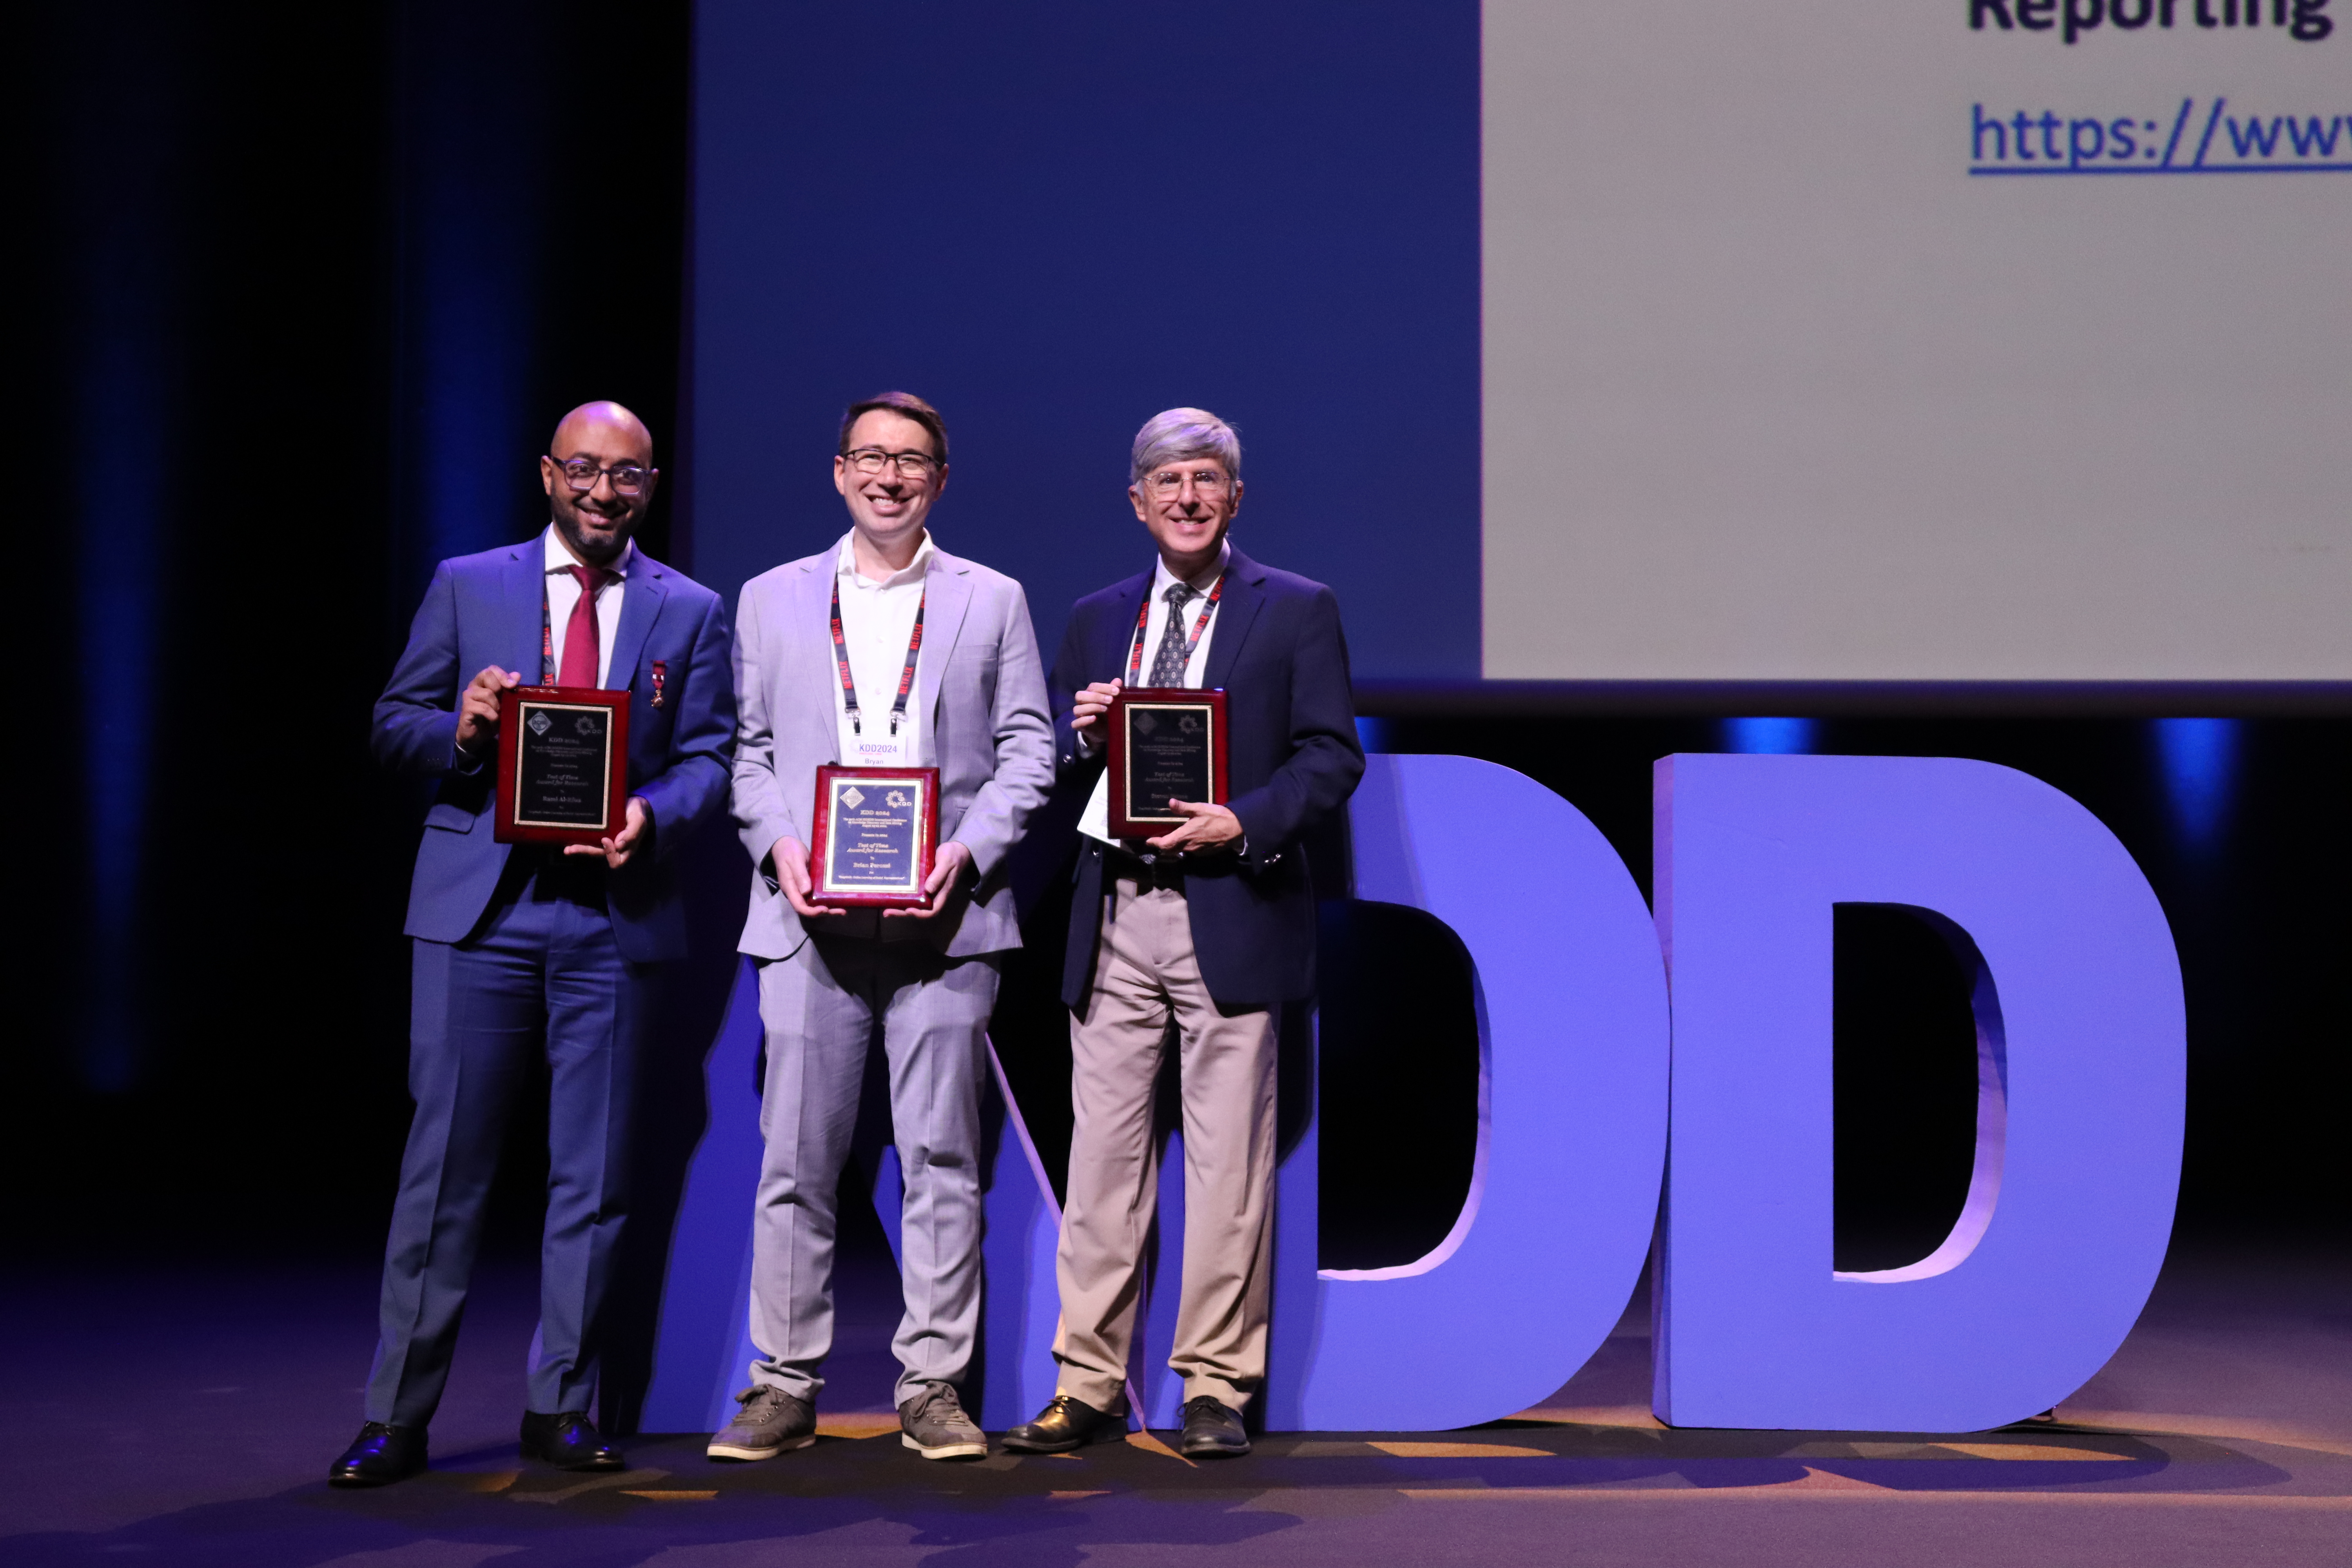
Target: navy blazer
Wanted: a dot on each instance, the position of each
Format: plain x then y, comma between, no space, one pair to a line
1290,723
484,609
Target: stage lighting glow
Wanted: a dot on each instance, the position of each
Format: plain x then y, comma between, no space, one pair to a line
129,320
2199,760
1770,737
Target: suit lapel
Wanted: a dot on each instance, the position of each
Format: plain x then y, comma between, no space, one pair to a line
805,672
523,592
641,600
1121,629
947,595
1237,608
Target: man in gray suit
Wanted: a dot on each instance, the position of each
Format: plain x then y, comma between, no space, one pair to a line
884,650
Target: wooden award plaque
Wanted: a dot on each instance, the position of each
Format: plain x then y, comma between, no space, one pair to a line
564,765
876,831
1166,743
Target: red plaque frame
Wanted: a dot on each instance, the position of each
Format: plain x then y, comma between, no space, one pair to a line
832,780
516,825
1208,702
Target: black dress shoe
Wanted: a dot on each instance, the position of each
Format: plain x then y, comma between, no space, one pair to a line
1213,1429
378,1456
569,1441
1065,1424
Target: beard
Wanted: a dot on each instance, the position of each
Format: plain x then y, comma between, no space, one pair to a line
596,549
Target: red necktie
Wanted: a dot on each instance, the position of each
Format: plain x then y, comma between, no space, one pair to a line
581,642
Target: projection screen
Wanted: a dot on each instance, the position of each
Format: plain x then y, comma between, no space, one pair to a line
1932,340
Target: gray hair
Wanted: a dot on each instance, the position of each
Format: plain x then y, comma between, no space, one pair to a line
1182,433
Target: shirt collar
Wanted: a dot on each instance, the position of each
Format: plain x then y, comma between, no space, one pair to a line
845,564
1161,577
560,557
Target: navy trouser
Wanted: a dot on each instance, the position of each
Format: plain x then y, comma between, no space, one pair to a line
541,973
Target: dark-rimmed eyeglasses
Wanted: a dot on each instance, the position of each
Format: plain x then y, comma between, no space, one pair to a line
580,474
910,465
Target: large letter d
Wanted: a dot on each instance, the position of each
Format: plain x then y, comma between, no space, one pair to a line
2080,1056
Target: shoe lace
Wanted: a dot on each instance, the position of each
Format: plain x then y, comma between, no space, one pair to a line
1213,1406
939,1402
758,1400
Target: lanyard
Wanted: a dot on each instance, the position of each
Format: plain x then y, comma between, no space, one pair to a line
905,676
1143,618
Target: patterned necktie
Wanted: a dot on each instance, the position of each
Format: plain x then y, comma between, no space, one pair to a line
1168,664
581,641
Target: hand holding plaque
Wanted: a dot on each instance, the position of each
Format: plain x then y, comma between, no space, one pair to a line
1166,743
877,832
564,765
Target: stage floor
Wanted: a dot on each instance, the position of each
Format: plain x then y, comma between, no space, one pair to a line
179,1415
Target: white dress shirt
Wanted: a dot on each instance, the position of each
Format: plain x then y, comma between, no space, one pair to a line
1156,626
563,592
1094,820
878,621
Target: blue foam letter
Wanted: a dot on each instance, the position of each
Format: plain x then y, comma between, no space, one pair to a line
1572,1044
2080,1105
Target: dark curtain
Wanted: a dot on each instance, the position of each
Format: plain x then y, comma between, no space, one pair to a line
309,288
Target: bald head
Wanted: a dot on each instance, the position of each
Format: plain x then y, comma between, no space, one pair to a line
612,448
606,417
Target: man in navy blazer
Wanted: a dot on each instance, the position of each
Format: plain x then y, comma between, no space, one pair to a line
520,950
1210,925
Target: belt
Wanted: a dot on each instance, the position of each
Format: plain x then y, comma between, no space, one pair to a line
1149,875
581,878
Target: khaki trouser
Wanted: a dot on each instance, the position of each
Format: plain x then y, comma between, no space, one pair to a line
1146,973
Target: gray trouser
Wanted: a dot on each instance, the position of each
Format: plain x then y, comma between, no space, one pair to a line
823,1009
1145,974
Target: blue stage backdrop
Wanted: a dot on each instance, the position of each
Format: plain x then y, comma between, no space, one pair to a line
1056,221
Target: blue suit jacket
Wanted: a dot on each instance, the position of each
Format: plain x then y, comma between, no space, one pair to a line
1290,720
484,610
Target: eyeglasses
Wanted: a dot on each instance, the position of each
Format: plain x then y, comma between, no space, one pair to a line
582,474
910,465
1169,481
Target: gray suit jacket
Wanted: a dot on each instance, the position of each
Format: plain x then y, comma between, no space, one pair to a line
981,689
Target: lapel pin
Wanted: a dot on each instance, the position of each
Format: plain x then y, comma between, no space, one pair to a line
661,678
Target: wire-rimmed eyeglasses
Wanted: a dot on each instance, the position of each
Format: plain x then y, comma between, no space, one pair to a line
1170,482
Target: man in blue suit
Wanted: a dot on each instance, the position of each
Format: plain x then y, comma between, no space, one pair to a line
1210,925
520,950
